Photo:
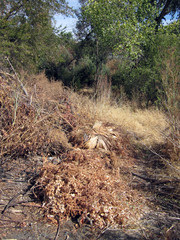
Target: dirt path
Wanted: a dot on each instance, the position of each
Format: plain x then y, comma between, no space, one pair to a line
21,217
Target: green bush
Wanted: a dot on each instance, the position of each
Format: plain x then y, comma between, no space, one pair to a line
82,74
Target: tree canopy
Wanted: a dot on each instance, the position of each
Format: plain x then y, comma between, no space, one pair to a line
170,7
123,42
26,29
125,25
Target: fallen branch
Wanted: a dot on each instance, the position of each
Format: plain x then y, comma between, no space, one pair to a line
58,228
156,181
10,201
144,178
174,218
25,204
14,197
66,121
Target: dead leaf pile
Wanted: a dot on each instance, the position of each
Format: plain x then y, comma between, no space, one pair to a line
86,187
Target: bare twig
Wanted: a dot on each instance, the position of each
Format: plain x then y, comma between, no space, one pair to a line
174,218
23,192
25,204
155,181
66,121
10,201
19,81
15,108
103,231
58,228
163,159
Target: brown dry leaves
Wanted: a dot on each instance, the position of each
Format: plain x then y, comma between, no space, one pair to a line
86,186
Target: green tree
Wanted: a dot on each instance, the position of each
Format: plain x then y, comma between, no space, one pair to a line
26,30
89,45
122,25
154,78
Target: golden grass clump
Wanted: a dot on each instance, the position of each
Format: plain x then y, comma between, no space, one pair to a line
84,186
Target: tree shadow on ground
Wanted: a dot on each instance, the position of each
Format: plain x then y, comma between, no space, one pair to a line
160,183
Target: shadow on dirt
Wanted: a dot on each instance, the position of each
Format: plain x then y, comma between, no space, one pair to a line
159,181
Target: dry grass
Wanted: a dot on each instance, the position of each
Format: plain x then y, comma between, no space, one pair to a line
146,126
170,80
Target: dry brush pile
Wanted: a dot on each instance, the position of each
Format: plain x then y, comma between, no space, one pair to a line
30,124
87,184
85,187
91,182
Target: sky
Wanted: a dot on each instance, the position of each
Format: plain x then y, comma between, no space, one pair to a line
68,22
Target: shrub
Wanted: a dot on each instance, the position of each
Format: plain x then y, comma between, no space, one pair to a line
83,73
31,125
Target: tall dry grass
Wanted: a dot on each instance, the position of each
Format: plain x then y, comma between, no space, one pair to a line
146,125
151,129
53,106
170,80
171,84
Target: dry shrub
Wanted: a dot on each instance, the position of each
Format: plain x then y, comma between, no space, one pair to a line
171,149
52,98
40,87
30,124
85,187
170,80
113,65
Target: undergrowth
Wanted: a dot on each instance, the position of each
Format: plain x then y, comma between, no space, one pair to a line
87,184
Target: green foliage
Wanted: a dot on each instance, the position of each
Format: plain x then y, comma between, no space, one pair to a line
121,25
83,73
60,66
154,77
72,74
90,45
26,32
124,29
